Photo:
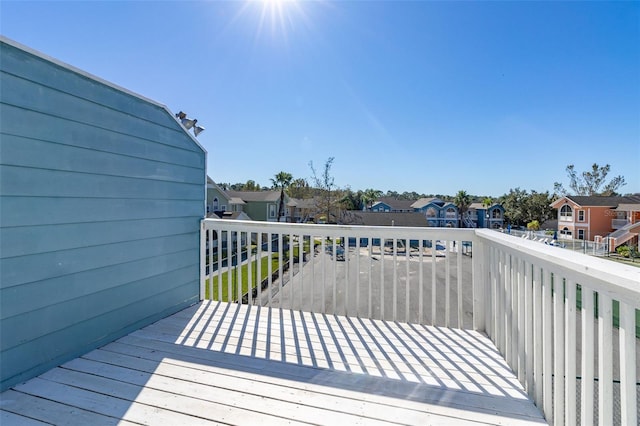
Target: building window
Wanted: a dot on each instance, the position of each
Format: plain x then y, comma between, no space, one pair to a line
223,208
580,215
581,234
566,212
215,204
431,212
272,210
496,214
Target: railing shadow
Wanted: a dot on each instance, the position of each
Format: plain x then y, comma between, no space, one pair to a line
228,362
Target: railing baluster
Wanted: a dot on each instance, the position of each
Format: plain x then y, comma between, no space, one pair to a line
259,267
370,250
407,305
605,360
312,286
421,282
395,281
529,317
345,309
229,264
570,352
505,309
587,400
323,249
558,346
447,283
300,271
250,280
335,278
358,313
238,267
281,263
628,373
538,341
270,267
521,286
433,283
291,269
382,243
547,338
459,282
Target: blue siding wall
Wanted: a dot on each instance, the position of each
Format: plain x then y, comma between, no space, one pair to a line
101,194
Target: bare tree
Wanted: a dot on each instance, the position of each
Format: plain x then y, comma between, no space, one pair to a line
590,182
325,183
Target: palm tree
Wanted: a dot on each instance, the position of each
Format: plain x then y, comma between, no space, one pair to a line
369,196
281,180
486,203
462,201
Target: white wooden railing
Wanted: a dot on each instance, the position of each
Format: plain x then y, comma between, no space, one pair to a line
564,321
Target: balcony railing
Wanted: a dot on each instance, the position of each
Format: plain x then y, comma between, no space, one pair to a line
563,321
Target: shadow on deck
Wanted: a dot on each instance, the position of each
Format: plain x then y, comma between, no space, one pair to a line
239,364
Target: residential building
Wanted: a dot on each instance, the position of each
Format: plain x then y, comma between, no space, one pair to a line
218,200
390,204
261,205
594,218
481,216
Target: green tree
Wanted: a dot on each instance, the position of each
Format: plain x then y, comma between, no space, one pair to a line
487,202
514,204
522,207
251,185
299,188
369,196
462,200
281,180
592,182
534,225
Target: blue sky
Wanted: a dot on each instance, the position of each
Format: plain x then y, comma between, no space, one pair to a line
432,97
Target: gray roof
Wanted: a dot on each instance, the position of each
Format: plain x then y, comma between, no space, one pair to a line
236,200
354,217
261,196
480,206
418,204
395,203
629,207
598,201
304,203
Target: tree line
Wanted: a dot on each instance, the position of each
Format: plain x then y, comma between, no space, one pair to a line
522,207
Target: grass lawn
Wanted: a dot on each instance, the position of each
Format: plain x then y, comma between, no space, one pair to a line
243,270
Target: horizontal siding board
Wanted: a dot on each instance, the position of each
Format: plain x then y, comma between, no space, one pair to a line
37,211
37,267
33,358
33,154
21,181
101,197
45,128
19,299
28,95
29,240
45,73
56,317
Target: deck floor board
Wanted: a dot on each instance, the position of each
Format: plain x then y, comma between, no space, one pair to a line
218,363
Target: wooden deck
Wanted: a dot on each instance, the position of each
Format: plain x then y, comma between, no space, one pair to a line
218,363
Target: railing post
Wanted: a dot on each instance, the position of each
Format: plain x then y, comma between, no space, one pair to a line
203,258
480,280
